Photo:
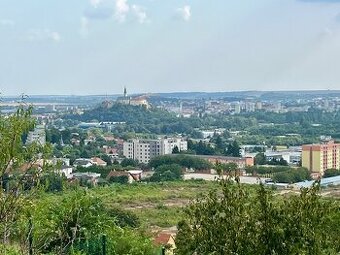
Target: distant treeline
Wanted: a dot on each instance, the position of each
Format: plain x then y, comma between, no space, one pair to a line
157,121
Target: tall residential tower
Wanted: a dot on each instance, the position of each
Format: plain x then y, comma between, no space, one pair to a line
317,158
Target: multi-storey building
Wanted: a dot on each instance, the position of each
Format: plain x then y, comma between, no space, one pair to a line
320,157
38,135
145,149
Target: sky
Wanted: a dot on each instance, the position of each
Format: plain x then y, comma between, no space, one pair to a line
84,47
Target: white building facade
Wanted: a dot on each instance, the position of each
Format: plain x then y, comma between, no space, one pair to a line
145,149
38,135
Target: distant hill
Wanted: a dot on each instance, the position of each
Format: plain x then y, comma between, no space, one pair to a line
229,96
141,120
260,95
125,113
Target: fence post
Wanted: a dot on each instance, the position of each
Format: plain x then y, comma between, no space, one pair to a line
104,244
163,251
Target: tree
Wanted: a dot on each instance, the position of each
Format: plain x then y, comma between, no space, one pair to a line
19,172
227,169
260,159
171,172
77,220
53,182
106,158
124,218
282,162
233,149
72,218
175,150
203,149
123,179
232,220
219,144
331,172
292,176
184,161
129,162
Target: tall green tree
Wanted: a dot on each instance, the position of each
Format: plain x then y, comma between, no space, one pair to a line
233,149
19,171
175,150
231,220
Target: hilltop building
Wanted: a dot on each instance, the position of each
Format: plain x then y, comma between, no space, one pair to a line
319,157
145,149
137,101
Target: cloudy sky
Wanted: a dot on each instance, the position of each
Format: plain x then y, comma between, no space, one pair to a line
100,46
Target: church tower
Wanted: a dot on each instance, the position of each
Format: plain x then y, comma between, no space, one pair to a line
125,92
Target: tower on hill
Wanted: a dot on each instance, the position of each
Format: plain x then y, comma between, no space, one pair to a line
125,92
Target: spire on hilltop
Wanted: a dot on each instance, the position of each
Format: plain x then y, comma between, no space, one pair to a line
125,92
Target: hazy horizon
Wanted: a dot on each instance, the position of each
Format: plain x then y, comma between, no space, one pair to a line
172,92
96,47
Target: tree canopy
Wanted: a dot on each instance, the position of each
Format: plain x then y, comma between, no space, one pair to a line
232,220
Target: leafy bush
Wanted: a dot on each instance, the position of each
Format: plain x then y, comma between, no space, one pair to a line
171,172
182,160
331,172
292,176
124,218
119,179
234,221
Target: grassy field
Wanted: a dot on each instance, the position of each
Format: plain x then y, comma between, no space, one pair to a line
161,205
158,205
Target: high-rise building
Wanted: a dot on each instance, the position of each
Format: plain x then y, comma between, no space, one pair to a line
318,158
145,149
250,107
237,108
38,135
258,106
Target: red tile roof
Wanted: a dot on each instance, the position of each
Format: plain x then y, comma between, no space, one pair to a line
162,239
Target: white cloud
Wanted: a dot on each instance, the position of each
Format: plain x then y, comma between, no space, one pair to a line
184,12
43,35
55,36
140,13
84,26
95,3
122,9
7,22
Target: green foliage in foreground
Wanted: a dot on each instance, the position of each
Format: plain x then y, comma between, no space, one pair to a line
233,221
77,221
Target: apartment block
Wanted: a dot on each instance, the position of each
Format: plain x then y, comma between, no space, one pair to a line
38,135
145,149
319,157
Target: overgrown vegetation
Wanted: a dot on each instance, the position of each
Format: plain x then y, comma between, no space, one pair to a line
284,174
39,214
255,131
185,161
234,221
33,220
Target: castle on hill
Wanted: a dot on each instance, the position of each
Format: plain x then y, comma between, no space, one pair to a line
128,100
